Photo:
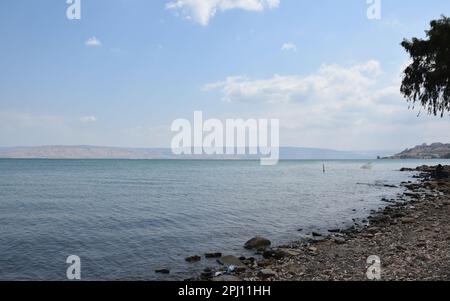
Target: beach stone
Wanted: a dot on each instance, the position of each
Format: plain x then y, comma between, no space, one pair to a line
240,270
275,254
407,220
291,252
230,260
257,243
267,273
194,258
339,240
226,278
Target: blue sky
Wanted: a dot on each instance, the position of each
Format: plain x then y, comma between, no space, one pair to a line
322,67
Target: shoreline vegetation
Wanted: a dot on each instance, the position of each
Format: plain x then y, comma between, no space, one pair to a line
411,236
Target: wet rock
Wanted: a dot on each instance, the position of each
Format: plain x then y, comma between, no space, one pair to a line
230,261
316,234
334,230
162,271
192,259
404,169
257,243
213,255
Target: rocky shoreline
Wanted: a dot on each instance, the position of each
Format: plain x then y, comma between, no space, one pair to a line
411,237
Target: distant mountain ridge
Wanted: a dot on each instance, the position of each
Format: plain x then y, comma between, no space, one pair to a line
425,151
99,152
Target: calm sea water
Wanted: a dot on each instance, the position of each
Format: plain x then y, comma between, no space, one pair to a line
127,218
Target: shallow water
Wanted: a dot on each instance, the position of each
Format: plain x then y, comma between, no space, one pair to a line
126,218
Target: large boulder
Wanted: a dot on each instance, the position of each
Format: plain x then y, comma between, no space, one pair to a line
257,243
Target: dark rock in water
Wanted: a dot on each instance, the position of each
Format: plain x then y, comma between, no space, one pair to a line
390,186
213,255
300,230
406,169
316,234
192,259
206,275
162,271
257,243
334,230
230,260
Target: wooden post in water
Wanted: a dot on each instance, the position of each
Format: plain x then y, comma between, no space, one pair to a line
323,168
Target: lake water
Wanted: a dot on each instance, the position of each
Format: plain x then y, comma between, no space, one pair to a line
126,218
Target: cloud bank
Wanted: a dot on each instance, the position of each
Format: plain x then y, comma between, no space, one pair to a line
344,107
289,47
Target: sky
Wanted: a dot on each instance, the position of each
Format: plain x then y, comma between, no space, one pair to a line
121,74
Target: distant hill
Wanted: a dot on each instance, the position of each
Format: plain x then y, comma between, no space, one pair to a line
424,151
98,152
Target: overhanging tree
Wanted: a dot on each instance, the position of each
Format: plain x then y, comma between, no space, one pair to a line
427,79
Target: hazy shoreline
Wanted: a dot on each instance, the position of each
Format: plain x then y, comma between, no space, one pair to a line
99,152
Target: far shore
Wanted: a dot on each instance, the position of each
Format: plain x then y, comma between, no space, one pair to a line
411,237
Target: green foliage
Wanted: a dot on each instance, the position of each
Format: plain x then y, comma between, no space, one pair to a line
427,79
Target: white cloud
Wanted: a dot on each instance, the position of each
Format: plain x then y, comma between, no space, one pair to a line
330,82
93,42
202,11
88,119
289,47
